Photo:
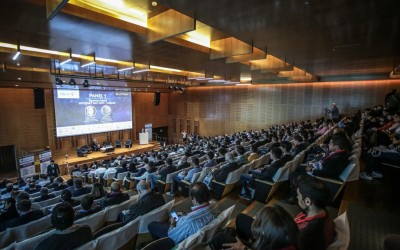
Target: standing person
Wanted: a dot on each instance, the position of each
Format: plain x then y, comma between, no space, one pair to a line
333,112
184,136
53,169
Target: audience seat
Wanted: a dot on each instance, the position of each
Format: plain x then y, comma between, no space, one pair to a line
206,233
120,177
341,239
30,243
264,159
264,190
48,202
114,210
95,221
165,186
22,232
163,243
160,214
121,238
221,189
336,186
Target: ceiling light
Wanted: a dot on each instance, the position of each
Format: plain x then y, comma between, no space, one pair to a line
86,83
66,61
18,64
16,85
18,52
216,81
243,84
154,3
87,64
140,71
126,69
19,78
164,68
72,82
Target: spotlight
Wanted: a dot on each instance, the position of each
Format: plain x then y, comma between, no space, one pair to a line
72,82
58,81
86,84
170,87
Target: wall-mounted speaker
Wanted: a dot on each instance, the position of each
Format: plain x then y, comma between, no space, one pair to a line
157,98
38,97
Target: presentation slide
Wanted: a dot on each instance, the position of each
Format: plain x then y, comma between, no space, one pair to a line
91,110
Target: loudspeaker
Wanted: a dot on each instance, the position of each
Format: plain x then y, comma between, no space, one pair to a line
38,96
157,98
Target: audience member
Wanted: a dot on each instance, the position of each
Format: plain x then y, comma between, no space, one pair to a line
272,228
88,207
66,197
52,169
98,191
79,189
26,215
67,234
116,196
44,195
147,202
188,224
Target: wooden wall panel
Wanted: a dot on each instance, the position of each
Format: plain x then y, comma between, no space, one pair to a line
227,109
145,111
20,123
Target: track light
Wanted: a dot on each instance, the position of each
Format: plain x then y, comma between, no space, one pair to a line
86,84
67,60
18,51
72,82
58,81
90,63
87,64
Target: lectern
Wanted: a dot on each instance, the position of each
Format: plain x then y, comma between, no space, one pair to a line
143,138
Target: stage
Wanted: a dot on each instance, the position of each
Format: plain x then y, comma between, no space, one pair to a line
73,159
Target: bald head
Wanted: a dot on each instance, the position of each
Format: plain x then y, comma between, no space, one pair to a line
143,186
115,187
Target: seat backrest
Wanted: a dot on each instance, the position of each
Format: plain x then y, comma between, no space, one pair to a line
114,210
234,176
30,243
282,174
121,176
341,240
190,241
163,243
246,167
218,223
109,176
25,231
118,238
94,221
195,177
171,176
77,174
160,214
49,202
344,176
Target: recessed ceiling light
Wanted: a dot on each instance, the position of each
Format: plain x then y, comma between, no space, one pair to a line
154,3
18,64
19,78
16,85
98,83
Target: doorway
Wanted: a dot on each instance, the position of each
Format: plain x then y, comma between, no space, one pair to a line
8,162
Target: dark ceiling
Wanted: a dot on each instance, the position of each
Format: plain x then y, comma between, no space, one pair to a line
332,39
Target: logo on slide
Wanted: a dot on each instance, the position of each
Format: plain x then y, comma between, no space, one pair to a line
90,111
106,110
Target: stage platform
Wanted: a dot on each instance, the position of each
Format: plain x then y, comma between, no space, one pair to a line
73,159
